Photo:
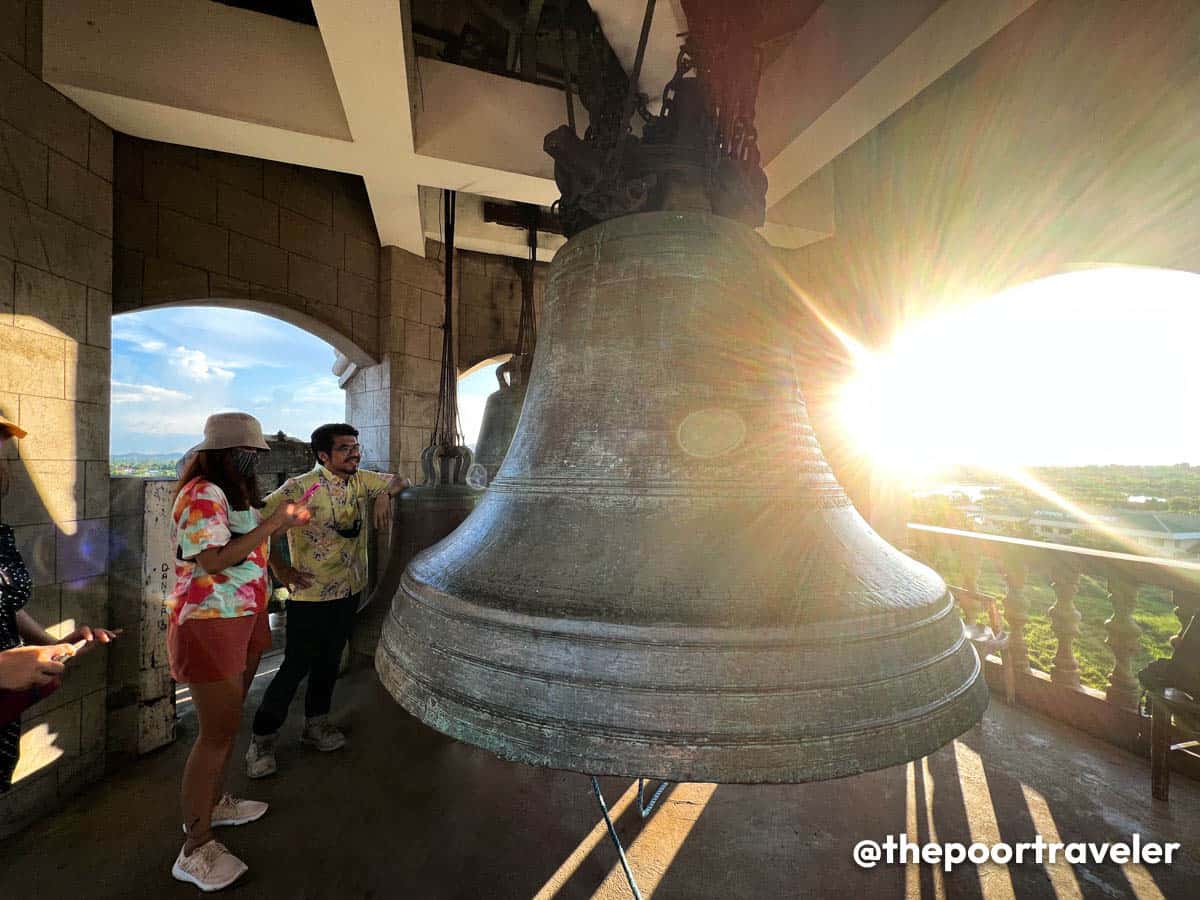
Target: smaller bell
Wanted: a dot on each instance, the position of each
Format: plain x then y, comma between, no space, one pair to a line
501,414
503,409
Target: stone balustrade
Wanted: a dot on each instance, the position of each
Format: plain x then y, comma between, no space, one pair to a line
1111,714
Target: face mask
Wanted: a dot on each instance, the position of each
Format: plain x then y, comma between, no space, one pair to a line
246,462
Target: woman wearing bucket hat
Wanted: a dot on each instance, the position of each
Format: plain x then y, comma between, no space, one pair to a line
31,659
218,626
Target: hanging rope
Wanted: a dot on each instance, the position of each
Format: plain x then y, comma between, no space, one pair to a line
562,46
446,430
527,329
631,95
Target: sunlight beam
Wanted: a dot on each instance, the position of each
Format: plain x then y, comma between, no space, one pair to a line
995,881
661,838
1082,367
600,831
1093,521
912,871
1060,872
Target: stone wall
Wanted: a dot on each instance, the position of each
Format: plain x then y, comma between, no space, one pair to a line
197,225
489,310
393,404
141,694
56,170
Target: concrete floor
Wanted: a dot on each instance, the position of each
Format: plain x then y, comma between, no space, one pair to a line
405,812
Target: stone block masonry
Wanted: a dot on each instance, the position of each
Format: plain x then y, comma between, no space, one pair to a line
197,226
394,403
56,225
141,694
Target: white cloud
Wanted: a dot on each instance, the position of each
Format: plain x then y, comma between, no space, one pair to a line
196,365
299,409
173,367
123,392
133,333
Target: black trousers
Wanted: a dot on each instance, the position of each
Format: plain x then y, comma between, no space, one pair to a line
316,636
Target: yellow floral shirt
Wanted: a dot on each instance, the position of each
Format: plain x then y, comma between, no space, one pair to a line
338,564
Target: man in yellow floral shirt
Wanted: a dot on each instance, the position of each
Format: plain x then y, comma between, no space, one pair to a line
327,574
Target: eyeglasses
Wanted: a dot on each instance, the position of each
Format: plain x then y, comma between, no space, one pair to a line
348,448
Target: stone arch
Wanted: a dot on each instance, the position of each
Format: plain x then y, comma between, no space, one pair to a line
475,366
341,341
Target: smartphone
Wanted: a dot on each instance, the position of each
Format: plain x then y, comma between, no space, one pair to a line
75,648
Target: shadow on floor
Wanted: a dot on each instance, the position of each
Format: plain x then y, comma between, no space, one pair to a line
405,812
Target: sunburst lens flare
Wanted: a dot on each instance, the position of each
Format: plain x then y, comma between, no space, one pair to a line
1084,367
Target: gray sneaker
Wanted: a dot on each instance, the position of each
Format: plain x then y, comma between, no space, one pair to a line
260,756
320,733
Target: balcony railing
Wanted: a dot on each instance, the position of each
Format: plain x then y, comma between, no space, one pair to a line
1112,714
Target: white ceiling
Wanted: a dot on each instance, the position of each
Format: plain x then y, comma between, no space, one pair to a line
353,97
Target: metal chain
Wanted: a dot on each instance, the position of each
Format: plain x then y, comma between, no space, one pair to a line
446,430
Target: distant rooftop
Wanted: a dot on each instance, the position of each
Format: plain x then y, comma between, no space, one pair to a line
1132,520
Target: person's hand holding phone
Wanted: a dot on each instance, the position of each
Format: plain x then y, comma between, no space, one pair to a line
32,666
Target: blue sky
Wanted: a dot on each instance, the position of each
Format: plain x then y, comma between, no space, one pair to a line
173,367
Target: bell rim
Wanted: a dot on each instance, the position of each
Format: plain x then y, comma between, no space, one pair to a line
902,739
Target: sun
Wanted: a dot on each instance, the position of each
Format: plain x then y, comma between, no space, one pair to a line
883,410
1085,367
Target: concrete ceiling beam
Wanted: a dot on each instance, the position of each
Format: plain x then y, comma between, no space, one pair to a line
367,50
851,66
621,22
203,57
352,96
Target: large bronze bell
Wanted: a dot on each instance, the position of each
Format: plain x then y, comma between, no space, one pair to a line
500,416
665,578
423,516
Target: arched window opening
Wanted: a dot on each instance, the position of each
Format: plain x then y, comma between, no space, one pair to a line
474,387
173,367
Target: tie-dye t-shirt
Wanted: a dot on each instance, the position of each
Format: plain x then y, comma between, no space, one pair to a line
202,519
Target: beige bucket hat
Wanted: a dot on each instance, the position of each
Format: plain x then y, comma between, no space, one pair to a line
13,429
232,429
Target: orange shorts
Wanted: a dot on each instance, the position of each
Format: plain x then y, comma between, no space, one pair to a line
204,650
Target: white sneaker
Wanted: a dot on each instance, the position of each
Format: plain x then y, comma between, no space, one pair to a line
211,867
320,733
232,811
260,757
